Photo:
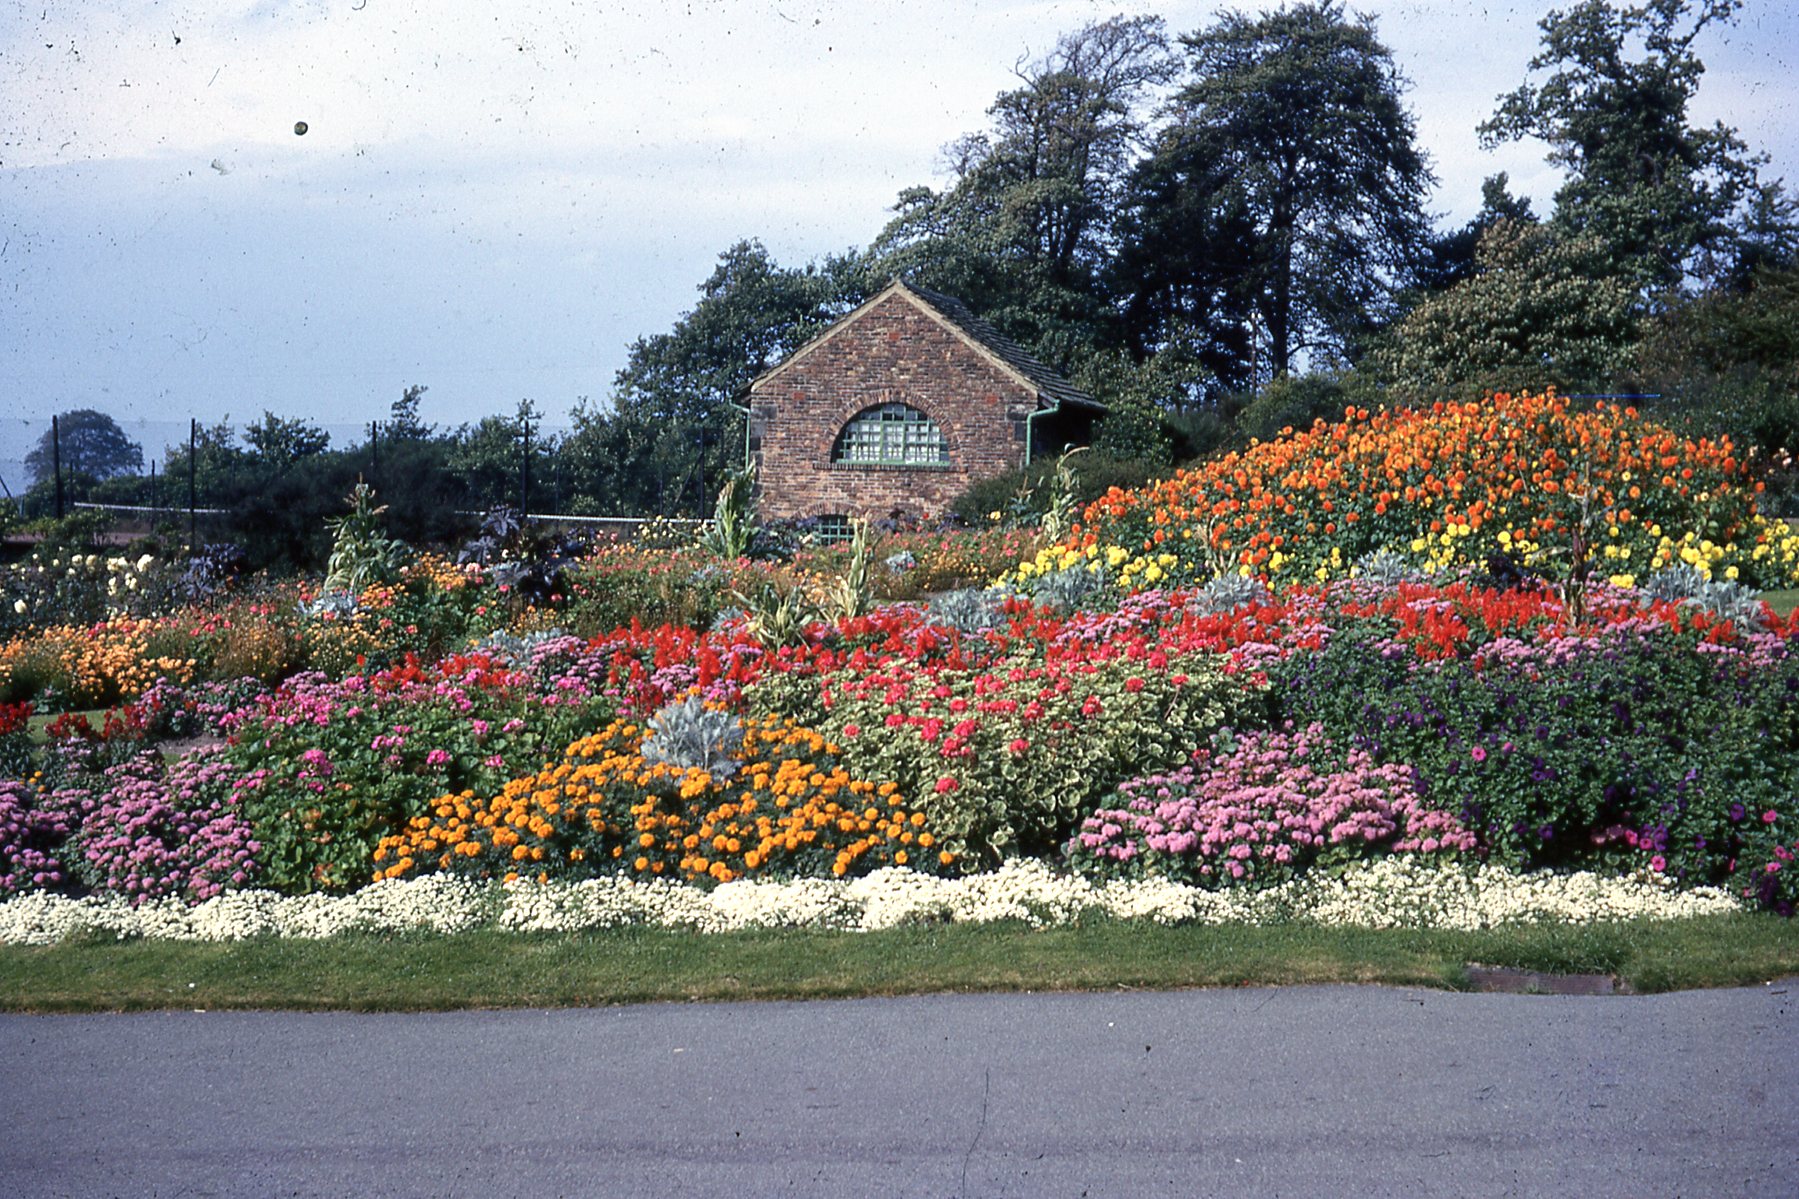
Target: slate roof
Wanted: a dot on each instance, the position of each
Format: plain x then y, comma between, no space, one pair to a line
1051,387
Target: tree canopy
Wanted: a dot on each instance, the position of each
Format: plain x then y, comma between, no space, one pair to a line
92,444
1026,228
1610,96
1289,145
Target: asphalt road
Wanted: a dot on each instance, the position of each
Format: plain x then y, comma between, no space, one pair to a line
1336,1091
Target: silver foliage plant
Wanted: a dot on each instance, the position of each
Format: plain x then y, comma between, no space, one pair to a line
687,735
969,610
1227,593
1386,568
515,648
1729,600
1083,585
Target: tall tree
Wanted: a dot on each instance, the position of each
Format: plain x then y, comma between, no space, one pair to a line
681,385
1292,122
92,444
403,423
282,441
1662,195
1025,228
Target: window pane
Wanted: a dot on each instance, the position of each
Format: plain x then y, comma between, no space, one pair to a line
892,434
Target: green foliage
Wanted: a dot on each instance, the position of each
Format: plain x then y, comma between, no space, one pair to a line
1697,745
1658,195
493,461
1022,233
775,613
1062,505
848,595
1021,496
321,793
1289,140
1017,780
362,554
733,529
281,442
612,590
1728,362
1539,311
1294,402
91,444
672,424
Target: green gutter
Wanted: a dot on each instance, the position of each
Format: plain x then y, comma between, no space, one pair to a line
1030,442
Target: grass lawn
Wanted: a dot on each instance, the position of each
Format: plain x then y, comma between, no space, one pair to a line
1782,602
488,969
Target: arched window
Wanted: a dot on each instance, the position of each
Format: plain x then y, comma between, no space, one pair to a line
891,435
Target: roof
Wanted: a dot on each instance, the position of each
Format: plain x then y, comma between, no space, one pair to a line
1051,387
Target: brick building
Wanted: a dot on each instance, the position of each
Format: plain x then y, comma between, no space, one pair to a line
900,406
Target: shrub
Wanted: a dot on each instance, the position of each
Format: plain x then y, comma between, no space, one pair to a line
33,830
1634,746
329,768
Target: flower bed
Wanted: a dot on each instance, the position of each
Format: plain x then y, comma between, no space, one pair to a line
1385,894
1442,748
1452,485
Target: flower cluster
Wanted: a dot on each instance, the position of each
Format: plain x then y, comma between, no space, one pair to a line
790,807
1384,893
1006,753
1265,809
33,831
1529,476
327,768
91,666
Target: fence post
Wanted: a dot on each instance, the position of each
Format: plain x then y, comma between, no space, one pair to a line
524,472
56,461
193,442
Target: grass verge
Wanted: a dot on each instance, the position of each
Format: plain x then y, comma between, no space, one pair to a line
1782,602
489,969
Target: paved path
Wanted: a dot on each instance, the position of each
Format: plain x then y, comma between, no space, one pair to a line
1330,1091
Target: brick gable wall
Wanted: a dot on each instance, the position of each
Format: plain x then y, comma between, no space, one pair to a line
891,352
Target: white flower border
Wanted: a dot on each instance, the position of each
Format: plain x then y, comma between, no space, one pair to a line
1385,893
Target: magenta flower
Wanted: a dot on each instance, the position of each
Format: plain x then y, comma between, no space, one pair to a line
1480,753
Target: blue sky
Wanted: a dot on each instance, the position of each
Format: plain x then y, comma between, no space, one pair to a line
495,199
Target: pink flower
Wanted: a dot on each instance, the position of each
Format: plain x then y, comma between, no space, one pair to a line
1658,863
947,784
1480,753
1770,816
852,730
1018,745
437,757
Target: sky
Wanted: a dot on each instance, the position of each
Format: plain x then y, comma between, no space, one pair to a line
495,200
